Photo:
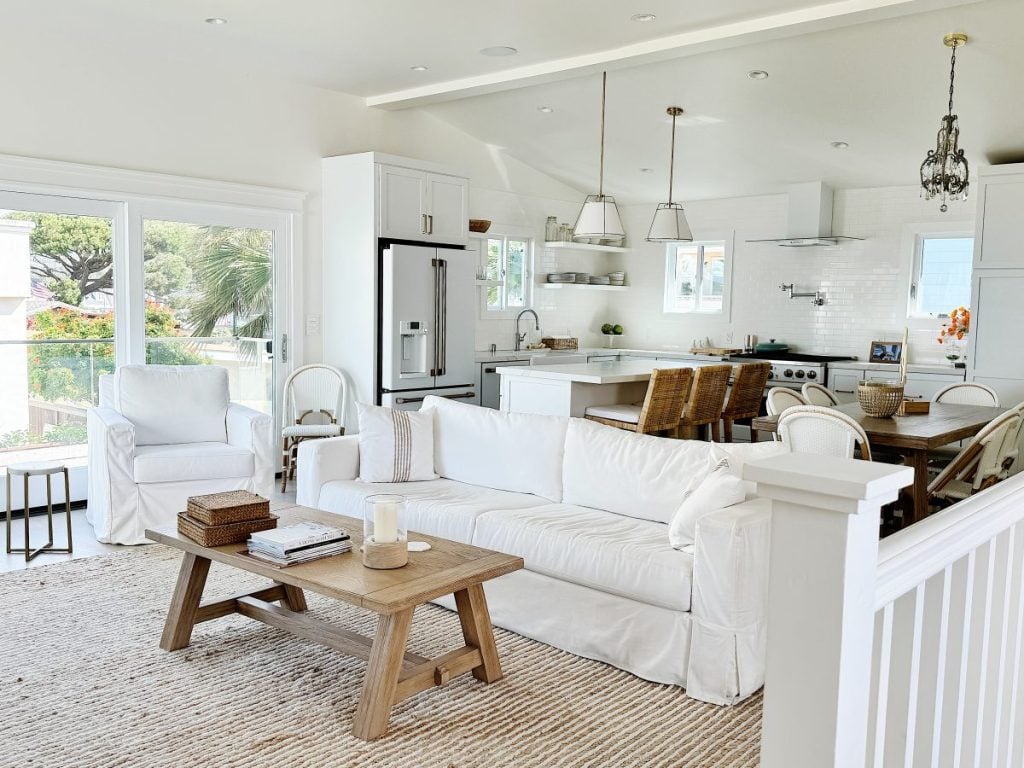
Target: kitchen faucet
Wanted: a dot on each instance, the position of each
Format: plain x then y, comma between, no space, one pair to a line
520,337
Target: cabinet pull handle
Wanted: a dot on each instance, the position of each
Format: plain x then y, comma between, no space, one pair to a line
423,223
430,223
490,370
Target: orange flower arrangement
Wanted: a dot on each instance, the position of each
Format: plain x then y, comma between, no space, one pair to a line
959,325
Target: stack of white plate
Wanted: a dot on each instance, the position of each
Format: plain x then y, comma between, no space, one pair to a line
583,277
600,280
562,277
617,278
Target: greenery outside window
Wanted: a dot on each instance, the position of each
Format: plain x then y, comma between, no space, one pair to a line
508,264
697,277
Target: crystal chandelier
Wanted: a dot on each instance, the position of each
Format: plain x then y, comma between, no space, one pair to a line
599,217
669,224
944,170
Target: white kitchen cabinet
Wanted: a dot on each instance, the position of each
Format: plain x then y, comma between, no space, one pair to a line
423,206
1000,211
919,385
844,383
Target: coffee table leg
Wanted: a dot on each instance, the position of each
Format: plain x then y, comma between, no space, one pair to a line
181,616
382,673
477,631
294,599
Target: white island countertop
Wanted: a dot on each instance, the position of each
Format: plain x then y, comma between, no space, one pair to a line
593,373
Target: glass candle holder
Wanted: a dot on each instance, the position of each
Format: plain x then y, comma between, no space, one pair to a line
385,539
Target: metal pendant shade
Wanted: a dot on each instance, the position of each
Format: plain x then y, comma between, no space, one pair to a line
599,216
669,224
944,171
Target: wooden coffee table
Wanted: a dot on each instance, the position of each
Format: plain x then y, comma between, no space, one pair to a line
392,674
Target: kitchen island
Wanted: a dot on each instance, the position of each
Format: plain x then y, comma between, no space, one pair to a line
568,390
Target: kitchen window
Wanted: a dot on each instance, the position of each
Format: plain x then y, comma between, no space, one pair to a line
941,278
697,277
508,264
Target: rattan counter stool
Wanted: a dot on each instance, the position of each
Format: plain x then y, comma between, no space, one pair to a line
28,470
661,409
707,399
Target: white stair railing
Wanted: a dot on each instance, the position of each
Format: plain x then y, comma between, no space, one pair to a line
902,653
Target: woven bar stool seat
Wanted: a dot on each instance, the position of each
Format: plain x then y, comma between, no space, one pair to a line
661,409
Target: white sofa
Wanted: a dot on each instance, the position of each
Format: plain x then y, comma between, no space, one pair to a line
163,433
569,496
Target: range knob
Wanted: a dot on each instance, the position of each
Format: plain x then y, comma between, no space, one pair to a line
799,374
812,374
788,373
771,372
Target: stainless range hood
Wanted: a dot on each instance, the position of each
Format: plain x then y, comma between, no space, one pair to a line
810,218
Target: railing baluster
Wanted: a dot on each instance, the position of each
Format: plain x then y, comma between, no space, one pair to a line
881,708
1003,640
940,670
1011,729
965,647
915,674
986,626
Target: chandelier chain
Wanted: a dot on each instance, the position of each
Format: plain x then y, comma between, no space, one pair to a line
952,77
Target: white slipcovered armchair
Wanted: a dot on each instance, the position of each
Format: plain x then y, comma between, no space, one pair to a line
163,433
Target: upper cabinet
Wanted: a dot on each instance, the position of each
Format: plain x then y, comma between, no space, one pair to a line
423,206
1000,213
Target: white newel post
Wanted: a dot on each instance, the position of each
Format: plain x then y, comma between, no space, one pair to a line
821,604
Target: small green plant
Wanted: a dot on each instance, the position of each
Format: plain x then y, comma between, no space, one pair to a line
612,330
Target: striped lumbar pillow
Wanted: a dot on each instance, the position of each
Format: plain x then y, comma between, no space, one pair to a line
395,446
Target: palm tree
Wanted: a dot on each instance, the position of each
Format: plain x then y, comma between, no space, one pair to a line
235,269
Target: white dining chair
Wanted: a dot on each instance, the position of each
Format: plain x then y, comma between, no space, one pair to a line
967,393
817,394
1013,462
823,431
315,396
980,464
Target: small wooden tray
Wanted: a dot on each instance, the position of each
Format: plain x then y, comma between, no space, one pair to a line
219,535
227,507
911,407
716,351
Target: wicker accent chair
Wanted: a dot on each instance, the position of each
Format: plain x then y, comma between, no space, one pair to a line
745,397
821,430
980,464
703,410
661,410
314,396
816,394
967,393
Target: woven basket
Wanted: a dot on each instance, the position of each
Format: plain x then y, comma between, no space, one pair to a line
479,225
881,399
552,343
227,507
219,535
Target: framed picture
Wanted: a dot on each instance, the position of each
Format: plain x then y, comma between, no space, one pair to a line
886,352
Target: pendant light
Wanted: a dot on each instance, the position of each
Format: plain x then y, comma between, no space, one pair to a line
669,224
944,170
599,216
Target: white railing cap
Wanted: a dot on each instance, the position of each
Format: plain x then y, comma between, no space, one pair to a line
826,476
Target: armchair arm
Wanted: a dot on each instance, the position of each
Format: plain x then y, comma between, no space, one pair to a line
111,476
320,461
730,587
249,428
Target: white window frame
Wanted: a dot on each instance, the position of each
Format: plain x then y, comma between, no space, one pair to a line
914,237
506,313
668,306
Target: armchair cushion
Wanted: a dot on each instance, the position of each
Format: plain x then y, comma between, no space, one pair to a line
191,461
171,404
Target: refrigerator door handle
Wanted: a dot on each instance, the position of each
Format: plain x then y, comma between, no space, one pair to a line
437,314
460,396
443,362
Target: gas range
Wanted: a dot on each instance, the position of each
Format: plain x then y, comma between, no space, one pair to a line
792,369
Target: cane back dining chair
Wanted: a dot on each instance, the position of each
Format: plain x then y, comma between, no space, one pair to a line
745,397
816,394
967,393
315,397
661,410
980,464
823,431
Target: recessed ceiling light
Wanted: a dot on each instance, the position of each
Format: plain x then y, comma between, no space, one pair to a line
839,145
642,17
545,110
419,68
757,74
216,20
646,170
499,50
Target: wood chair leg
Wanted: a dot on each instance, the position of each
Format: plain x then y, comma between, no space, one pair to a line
188,591
716,433
754,435
371,719
727,430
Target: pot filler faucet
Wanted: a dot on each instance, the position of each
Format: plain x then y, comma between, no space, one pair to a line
817,298
520,337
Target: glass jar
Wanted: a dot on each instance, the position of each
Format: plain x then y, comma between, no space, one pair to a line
551,229
565,233
385,539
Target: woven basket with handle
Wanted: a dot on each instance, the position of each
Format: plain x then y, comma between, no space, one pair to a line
881,399
561,343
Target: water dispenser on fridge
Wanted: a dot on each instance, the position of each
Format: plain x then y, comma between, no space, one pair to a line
413,337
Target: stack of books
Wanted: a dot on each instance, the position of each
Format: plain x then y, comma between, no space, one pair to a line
299,543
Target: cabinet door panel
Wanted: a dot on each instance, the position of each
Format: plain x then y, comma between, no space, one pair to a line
844,384
448,208
1002,212
997,347
402,203
925,385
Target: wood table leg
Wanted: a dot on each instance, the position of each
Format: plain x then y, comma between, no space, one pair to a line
919,461
294,599
382,672
181,616
478,632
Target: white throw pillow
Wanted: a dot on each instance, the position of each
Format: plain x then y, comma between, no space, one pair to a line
395,446
741,454
718,490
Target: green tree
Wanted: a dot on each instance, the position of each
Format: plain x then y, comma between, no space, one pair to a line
74,248
65,291
234,271
167,247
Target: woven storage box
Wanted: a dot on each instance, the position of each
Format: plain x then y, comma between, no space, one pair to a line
219,535
552,343
881,399
227,507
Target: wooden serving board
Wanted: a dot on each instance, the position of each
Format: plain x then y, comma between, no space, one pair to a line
718,351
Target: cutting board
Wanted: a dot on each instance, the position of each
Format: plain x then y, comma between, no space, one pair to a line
715,351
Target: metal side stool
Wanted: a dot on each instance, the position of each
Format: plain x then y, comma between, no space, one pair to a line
27,470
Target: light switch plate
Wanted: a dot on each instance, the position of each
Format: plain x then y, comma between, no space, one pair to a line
312,325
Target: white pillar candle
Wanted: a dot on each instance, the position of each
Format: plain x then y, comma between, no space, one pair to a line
385,522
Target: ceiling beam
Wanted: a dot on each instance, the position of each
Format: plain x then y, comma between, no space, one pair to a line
829,15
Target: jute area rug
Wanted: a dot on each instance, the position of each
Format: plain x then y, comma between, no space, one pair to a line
83,685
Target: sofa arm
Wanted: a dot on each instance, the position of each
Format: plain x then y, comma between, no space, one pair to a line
254,430
320,461
728,605
111,475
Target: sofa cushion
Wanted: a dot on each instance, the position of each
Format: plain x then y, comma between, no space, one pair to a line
443,508
173,403
395,446
630,474
174,463
509,451
717,491
741,453
597,549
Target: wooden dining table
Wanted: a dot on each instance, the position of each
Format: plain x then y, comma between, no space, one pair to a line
912,437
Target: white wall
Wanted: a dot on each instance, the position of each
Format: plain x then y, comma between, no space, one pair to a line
866,282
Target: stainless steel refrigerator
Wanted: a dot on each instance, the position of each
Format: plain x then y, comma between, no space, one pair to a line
427,325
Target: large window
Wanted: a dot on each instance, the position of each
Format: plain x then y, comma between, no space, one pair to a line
507,266
941,277
696,277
